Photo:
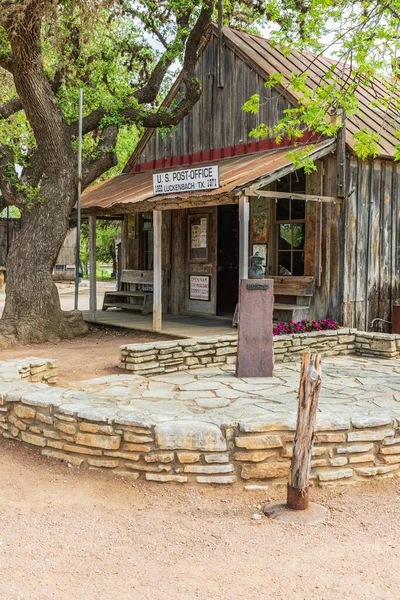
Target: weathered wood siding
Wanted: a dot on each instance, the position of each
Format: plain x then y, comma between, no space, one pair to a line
217,120
371,243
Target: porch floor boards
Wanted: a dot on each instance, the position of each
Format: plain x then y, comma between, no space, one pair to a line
181,326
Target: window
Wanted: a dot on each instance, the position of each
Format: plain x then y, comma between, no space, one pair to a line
146,241
290,225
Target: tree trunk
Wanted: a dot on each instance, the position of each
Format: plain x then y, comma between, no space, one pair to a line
310,387
32,312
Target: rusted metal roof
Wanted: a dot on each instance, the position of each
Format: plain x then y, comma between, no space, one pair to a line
268,59
133,192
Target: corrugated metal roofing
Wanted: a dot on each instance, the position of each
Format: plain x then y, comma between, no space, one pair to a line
133,192
268,59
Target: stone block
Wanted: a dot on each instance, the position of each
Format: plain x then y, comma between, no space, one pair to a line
93,428
369,436
66,428
391,460
370,421
136,438
138,360
335,475
55,444
136,448
190,435
161,457
192,361
339,461
268,470
216,480
188,457
329,438
111,442
78,449
361,458
149,468
216,458
229,350
319,462
142,367
372,471
73,460
44,418
35,440
208,469
24,412
253,456
103,462
140,430
258,442
354,448
17,422
390,450
166,478
125,455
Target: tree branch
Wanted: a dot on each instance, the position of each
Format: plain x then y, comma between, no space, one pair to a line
11,107
6,62
93,168
8,177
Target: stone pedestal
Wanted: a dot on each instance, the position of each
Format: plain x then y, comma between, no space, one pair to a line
255,356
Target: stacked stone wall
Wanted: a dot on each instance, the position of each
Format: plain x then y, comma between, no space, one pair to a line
69,426
166,357
180,355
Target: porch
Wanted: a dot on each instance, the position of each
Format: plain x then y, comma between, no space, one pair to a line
190,249
180,326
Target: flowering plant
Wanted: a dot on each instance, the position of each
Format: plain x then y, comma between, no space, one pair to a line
304,326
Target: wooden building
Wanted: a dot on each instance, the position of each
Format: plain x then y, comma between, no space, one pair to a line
329,239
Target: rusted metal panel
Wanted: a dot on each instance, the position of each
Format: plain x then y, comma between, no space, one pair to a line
134,192
269,59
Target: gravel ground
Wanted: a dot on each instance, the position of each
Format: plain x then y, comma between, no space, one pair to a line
93,355
70,534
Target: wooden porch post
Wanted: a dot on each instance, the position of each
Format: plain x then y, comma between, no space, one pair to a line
157,270
244,211
92,259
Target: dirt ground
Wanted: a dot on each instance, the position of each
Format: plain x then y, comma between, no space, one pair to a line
71,534
93,355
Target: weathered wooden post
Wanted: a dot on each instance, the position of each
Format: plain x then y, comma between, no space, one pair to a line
310,387
297,508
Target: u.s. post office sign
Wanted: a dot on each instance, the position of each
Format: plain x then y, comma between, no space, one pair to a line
196,179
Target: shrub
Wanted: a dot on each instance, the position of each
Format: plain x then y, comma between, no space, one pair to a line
304,326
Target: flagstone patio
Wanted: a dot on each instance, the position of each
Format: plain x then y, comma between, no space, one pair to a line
353,387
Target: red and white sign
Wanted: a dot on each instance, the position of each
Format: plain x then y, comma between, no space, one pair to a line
199,287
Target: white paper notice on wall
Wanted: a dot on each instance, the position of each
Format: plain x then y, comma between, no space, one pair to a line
203,233
196,236
199,287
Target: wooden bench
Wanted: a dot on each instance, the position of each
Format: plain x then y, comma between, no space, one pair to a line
292,296
131,296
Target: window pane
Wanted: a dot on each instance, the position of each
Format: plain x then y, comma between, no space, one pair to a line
285,237
284,266
298,263
282,210
298,209
298,236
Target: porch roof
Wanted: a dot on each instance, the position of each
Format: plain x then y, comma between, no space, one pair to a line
133,192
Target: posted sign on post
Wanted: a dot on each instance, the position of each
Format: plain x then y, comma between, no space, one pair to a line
186,180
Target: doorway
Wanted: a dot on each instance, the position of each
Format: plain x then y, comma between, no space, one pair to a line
228,259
